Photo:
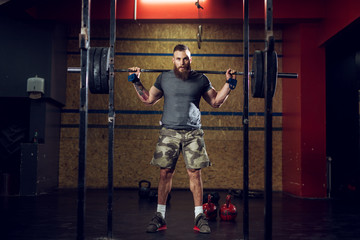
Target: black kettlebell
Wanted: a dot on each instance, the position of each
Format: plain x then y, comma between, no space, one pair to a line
144,188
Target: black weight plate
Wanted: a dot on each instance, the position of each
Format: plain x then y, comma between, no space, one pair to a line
91,81
273,71
104,71
257,78
96,70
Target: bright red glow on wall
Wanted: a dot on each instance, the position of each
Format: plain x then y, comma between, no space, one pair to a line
173,9
187,9
170,1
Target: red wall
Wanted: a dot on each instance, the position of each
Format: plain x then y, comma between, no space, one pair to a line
187,10
229,9
304,99
291,95
304,116
313,113
338,14
70,10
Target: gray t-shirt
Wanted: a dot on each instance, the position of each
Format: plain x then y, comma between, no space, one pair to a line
181,99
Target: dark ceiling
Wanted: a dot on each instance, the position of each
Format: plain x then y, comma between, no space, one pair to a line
61,10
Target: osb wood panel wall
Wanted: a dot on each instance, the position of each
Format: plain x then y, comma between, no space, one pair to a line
150,45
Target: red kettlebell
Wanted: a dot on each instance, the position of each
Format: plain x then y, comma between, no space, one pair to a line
228,210
210,209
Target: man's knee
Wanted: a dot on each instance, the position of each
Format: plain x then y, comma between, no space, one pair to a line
192,170
194,173
166,173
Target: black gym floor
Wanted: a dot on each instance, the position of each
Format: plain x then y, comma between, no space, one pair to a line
54,216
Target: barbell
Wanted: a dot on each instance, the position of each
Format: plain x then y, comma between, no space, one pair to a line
99,72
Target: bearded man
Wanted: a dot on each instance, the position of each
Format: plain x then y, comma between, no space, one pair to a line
181,130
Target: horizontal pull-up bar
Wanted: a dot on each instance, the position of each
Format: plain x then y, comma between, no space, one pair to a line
279,75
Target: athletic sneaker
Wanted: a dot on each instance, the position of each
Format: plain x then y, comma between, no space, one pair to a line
201,224
157,223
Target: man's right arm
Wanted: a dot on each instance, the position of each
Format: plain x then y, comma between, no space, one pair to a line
147,97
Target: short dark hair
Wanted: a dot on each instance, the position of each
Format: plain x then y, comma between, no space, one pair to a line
181,47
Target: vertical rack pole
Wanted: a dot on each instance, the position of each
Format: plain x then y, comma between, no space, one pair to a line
245,120
111,118
269,45
84,44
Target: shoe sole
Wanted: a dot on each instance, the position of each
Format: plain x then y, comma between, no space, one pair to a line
198,230
159,229
162,228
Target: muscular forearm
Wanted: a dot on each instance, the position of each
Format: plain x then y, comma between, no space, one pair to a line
221,96
141,91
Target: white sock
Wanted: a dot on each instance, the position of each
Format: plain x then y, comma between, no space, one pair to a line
161,209
198,210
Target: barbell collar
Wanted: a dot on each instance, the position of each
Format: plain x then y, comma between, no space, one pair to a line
280,75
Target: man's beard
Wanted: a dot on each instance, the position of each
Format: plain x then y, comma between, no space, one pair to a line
184,75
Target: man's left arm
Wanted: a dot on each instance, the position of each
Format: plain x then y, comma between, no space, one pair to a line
216,99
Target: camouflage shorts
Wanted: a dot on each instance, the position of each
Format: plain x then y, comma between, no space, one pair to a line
189,142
